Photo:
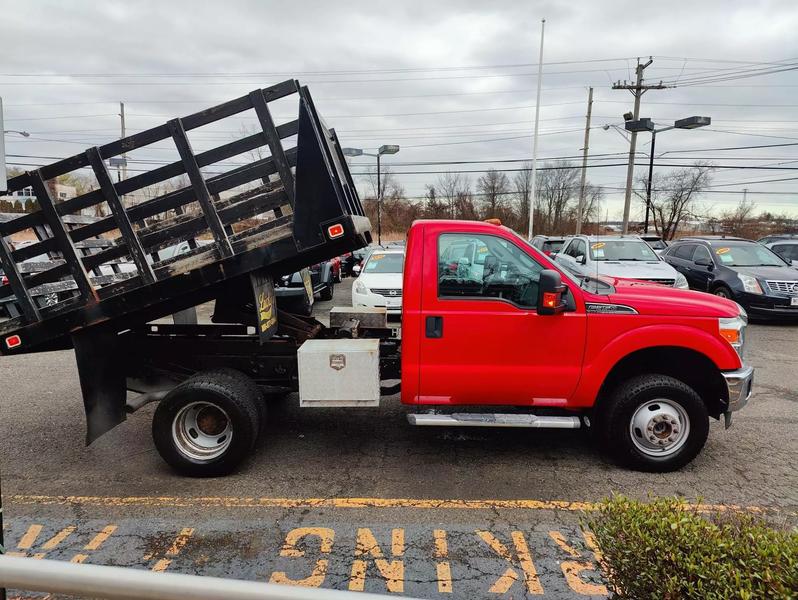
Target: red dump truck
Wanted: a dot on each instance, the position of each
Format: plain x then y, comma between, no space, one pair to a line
493,333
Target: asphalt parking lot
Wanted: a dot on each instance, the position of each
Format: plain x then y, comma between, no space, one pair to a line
359,499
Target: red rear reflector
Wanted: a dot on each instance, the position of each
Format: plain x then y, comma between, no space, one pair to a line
13,341
334,231
549,299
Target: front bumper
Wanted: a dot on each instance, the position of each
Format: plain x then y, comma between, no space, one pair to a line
392,304
767,306
739,384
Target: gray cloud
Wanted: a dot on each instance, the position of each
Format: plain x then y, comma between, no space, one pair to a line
259,43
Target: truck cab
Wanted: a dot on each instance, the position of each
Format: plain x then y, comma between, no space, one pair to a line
643,364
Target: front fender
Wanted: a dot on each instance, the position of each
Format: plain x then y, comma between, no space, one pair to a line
600,364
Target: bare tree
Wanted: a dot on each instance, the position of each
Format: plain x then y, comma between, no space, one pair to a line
450,187
522,184
739,220
493,186
557,193
434,207
673,197
388,184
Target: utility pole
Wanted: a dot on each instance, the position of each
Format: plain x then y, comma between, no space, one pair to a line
122,123
580,210
535,143
637,89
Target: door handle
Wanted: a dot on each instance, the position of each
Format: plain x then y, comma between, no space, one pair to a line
434,327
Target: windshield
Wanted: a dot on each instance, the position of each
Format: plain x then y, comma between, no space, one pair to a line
622,250
657,244
553,247
747,255
380,262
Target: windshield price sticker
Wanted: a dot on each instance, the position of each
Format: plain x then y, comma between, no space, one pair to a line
597,245
720,251
377,256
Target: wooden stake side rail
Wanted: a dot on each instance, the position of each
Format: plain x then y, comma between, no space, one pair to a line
83,250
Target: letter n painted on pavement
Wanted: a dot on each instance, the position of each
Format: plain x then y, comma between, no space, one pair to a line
392,571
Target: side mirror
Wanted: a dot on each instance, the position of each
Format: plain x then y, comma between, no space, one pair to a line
550,293
581,259
704,262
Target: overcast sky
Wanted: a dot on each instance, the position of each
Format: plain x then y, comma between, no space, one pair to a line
447,81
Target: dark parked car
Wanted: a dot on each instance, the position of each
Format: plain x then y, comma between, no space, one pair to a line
743,270
352,259
296,292
656,242
787,249
549,245
768,239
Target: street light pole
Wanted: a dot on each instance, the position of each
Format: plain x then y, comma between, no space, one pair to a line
645,124
650,176
384,149
379,204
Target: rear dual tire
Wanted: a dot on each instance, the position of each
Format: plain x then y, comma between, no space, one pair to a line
209,424
653,423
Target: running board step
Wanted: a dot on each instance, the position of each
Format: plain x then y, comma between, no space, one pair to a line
493,420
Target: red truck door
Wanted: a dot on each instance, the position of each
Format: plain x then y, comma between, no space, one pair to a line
482,341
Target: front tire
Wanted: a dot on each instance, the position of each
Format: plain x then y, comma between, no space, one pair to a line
654,423
327,292
723,292
209,424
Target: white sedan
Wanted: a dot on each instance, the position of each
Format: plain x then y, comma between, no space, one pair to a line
379,284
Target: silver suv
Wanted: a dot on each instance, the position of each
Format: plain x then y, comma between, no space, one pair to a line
624,256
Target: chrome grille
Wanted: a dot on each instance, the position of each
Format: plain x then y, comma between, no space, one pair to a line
387,292
784,287
669,282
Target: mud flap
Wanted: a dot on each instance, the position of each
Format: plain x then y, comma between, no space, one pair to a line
102,380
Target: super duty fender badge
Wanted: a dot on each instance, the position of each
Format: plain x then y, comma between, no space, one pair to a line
337,361
609,309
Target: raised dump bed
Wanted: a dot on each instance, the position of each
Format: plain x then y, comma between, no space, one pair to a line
286,208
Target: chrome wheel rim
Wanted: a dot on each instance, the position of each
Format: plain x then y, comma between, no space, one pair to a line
659,427
202,431
722,293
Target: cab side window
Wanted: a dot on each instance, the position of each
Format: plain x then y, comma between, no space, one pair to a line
495,269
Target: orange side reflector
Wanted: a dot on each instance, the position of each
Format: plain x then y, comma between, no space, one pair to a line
732,335
13,341
550,299
335,231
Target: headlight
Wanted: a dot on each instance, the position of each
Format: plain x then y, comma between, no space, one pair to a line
733,331
750,284
681,282
360,288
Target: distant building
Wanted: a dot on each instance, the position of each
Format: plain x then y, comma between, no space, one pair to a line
24,199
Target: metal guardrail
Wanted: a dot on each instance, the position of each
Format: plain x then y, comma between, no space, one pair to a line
120,583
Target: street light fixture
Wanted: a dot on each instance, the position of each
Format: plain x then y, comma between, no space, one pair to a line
384,149
648,125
